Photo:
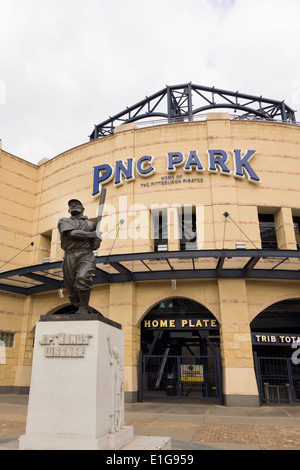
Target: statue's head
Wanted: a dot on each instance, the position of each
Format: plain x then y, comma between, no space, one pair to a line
75,207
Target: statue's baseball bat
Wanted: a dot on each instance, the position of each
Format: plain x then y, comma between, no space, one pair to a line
100,210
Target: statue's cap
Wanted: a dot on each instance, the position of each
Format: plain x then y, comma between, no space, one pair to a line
74,200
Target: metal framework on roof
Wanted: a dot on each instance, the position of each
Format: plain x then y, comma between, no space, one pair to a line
183,102
155,266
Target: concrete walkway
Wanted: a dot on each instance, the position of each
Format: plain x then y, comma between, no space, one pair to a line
191,426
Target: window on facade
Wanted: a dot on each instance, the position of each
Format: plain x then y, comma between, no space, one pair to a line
7,339
45,244
296,221
187,226
267,231
160,230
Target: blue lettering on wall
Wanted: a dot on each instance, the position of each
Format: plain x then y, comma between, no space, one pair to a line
122,169
102,174
140,167
218,159
193,160
217,162
241,164
174,159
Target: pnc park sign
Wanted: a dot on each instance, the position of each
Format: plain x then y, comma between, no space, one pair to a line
217,160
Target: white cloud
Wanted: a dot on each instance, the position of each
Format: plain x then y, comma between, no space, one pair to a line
67,65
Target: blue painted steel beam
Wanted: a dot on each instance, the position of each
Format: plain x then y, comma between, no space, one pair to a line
13,289
44,279
125,275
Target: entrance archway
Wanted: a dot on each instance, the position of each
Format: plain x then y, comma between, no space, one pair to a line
180,352
276,349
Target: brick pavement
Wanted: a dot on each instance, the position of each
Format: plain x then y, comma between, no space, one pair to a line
229,435
264,437
11,423
190,427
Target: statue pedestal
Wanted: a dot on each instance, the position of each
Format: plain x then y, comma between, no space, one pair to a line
76,399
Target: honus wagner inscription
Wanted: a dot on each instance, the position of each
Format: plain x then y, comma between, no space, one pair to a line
65,345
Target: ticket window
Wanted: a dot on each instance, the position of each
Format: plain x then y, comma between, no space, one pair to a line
187,226
267,232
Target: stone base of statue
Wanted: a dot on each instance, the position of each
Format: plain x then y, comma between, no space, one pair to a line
76,399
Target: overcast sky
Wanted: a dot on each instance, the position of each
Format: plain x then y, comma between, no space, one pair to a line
66,65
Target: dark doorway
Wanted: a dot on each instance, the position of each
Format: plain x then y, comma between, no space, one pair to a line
180,352
276,349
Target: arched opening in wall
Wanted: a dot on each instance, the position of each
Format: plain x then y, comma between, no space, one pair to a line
180,344
276,349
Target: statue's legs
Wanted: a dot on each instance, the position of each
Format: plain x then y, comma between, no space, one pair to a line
84,297
78,269
69,273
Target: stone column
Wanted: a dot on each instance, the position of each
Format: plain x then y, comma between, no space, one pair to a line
25,350
285,229
239,381
122,310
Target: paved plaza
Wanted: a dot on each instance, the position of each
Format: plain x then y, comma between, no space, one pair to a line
191,426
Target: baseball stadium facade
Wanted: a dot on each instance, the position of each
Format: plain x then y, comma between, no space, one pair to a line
199,261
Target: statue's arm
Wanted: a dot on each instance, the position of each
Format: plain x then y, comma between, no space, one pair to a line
65,226
82,235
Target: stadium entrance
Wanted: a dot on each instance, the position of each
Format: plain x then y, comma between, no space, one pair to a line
180,352
276,350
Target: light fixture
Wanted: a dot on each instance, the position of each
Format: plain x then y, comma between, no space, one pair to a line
162,247
240,245
61,293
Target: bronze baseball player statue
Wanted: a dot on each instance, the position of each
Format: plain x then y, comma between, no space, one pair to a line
78,240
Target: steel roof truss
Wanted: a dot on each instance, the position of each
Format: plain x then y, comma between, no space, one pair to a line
43,279
121,269
249,266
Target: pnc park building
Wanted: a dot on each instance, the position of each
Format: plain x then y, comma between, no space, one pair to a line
200,253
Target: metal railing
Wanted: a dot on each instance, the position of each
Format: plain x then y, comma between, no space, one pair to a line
278,380
180,377
202,117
